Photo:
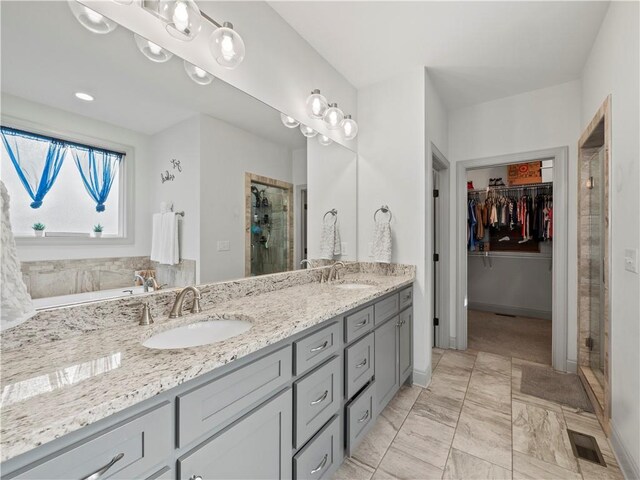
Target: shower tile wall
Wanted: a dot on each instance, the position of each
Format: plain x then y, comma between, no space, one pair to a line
274,258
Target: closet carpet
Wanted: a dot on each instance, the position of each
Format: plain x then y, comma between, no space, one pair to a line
519,337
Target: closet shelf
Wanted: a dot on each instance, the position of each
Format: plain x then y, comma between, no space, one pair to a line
526,255
514,187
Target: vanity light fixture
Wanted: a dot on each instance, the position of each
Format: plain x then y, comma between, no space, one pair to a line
153,52
324,140
227,47
182,18
316,104
307,131
84,96
197,74
90,19
349,127
288,121
333,116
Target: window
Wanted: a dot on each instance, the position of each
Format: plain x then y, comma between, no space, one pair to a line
87,190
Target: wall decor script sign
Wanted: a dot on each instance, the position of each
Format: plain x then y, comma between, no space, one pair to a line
525,173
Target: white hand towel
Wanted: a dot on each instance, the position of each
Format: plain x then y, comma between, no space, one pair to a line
164,241
382,242
156,237
330,244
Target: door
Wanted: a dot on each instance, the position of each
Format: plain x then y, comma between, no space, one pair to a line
386,362
435,305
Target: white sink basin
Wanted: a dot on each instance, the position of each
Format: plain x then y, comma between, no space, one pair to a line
197,334
353,286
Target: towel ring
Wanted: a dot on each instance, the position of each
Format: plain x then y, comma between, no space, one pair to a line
383,209
333,212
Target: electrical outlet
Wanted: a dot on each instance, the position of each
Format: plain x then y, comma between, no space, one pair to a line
223,245
631,260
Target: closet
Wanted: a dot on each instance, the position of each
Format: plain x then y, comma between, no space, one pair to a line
509,248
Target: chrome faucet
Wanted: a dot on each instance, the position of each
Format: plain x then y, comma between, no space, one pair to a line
151,282
333,271
141,278
306,262
176,310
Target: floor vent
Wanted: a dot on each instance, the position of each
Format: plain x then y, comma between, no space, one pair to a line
585,447
505,315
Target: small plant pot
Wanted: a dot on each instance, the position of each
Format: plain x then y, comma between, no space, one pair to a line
38,233
97,234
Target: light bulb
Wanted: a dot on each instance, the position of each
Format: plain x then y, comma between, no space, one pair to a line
90,19
153,52
324,140
349,127
227,47
182,18
316,104
288,121
307,131
197,74
333,116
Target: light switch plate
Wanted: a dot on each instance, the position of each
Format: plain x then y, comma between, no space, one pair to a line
223,245
631,260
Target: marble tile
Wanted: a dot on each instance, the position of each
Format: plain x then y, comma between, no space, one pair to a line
425,439
593,471
375,444
109,279
517,395
400,405
436,408
490,389
462,466
436,355
585,422
485,433
542,434
493,364
397,464
456,360
530,468
351,469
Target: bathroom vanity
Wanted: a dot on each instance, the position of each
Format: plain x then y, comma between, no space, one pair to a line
289,398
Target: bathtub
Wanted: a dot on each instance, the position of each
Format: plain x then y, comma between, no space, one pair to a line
74,299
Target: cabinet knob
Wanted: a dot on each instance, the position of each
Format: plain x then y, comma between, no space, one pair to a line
195,477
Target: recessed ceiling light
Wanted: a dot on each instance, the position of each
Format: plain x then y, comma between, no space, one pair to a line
84,96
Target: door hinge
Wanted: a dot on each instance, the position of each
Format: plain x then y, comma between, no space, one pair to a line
436,193
588,342
436,257
436,322
305,206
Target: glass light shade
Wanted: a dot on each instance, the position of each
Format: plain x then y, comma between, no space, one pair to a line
227,47
182,17
349,127
198,75
307,131
316,104
333,116
153,52
288,121
90,19
324,140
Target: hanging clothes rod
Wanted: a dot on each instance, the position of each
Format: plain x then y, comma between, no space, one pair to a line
514,187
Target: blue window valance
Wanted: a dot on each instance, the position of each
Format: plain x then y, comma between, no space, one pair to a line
38,159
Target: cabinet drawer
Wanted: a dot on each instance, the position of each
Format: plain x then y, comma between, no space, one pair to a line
210,406
385,309
359,417
258,446
134,448
358,365
317,399
406,297
357,324
320,454
317,347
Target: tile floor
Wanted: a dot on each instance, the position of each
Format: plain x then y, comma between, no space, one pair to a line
473,423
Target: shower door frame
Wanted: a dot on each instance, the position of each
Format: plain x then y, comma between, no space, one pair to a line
250,178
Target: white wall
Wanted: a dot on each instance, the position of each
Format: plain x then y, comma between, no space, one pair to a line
299,180
612,68
536,120
331,180
280,67
227,152
60,122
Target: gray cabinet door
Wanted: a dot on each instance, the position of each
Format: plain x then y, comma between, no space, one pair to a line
386,363
405,350
258,446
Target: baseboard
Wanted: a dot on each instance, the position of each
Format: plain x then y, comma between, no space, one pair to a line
422,378
627,464
572,366
510,310
452,343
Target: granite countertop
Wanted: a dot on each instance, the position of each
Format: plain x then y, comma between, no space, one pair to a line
51,389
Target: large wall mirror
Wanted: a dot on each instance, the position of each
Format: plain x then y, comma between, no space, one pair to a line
98,185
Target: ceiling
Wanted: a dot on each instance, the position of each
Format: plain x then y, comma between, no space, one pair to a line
475,51
47,56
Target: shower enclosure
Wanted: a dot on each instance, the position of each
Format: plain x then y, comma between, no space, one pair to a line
269,225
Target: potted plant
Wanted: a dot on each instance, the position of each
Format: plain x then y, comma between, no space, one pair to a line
38,229
97,230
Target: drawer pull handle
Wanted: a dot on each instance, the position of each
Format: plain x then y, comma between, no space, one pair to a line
321,398
321,465
363,322
101,471
364,417
362,363
320,347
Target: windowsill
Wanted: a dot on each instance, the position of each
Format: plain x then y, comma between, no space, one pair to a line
71,241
